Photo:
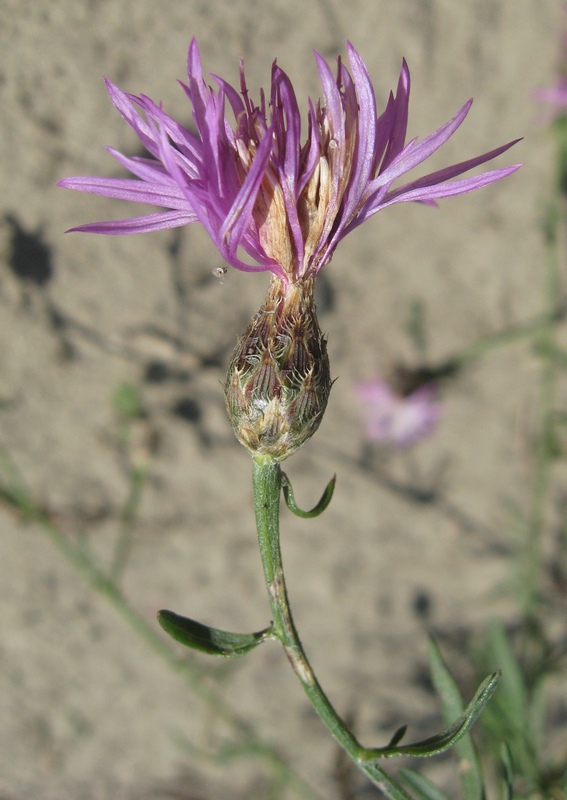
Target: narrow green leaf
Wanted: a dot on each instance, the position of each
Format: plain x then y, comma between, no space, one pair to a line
447,738
384,782
470,771
508,774
509,718
318,509
444,683
422,786
514,695
398,736
210,640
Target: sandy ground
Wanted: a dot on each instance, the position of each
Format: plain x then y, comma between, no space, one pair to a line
87,710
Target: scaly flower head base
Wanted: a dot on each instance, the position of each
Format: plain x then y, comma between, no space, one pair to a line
268,200
278,381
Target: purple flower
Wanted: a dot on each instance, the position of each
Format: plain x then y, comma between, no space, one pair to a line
394,419
256,188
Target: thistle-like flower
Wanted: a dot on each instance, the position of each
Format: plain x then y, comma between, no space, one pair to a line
272,202
256,188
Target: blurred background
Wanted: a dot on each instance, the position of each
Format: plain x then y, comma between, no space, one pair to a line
124,490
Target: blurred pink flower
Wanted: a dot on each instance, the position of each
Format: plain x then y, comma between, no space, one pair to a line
554,95
394,419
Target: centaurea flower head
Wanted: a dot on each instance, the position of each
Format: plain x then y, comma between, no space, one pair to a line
272,200
256,187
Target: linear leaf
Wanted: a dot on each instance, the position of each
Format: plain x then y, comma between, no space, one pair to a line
447,738
318,509
422,786
470,771
210,640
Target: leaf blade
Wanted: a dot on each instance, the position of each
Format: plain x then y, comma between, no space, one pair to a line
206,639
289,498
448,737
470,771
422,786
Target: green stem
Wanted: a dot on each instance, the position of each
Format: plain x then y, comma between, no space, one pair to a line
480,348
138,478
267,479
267,483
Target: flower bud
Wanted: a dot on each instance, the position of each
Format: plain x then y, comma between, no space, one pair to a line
278,381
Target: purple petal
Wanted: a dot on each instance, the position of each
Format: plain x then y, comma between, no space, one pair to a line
384,127
129,189
310,153
146,224
287,128
445,174
232,95
451,188
148,169
124,104
187,143
398,120
333,103
429,194
418,151
197,203
195,73
239,215
366,139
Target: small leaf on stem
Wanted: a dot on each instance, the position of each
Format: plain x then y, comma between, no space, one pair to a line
398,736
318,509
210,640
447,738
472,782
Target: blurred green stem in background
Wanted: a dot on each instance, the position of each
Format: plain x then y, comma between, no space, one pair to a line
16,496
